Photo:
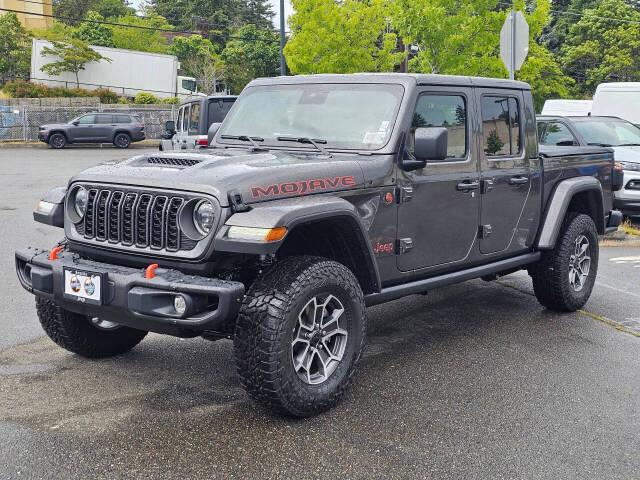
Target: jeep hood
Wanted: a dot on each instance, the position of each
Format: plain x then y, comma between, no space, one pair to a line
257,176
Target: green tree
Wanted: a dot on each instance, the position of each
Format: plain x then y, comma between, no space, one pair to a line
140,38
72,55
341,37
114,8
80,8
601,48
545,76
94,33
198,58
494,143
15,48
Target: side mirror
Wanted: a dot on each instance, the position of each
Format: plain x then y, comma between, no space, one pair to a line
76,123
170,126
566,142
431,143
213,129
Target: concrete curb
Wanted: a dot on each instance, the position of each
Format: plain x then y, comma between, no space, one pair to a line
144,144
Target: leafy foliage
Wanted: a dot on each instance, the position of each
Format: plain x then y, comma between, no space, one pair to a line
245,60
94,33
170,101
341,37
22,89
15,48
599,48
139,38
146,98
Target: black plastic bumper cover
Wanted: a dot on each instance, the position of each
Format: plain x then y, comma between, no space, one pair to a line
131,299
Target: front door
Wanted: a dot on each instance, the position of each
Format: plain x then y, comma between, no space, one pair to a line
85,130
180,138
439,204
506,179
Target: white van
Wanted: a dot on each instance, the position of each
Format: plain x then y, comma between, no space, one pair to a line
620,99
567,108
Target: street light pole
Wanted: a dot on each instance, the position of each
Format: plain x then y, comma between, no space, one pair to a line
283,65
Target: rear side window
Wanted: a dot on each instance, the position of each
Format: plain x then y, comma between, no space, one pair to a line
447,111
218,109
185,119
104,119
555,133
123,119
195,118
179,122
501,126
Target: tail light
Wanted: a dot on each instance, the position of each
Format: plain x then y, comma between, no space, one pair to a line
140,125
617,177
203,141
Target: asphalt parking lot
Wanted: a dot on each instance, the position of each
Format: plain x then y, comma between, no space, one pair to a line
475,380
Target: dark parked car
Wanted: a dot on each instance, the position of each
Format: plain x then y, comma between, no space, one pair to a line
318,196
189,131
118,128
622,136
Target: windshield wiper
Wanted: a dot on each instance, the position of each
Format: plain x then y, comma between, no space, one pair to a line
595,144
313,141
629,145
246,138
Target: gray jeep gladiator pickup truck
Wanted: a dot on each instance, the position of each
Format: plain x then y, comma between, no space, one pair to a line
319,196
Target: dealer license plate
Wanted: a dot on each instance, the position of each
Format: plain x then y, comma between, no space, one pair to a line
83,286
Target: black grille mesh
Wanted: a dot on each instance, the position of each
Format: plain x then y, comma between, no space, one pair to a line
128,218
176,162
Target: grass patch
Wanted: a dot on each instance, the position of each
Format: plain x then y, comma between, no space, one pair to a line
630,229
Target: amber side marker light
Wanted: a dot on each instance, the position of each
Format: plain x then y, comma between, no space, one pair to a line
254,234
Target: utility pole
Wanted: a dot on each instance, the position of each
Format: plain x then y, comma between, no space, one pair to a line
283,65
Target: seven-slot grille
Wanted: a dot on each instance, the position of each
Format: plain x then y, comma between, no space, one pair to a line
138,219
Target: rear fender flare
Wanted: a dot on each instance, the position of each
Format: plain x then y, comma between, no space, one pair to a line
558,204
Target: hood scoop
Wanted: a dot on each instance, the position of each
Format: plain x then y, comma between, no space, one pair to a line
173,161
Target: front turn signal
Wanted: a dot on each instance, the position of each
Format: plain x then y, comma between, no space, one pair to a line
255,234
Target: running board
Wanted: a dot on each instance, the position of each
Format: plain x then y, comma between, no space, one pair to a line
420,286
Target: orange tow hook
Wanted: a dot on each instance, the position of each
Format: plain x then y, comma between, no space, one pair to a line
53,254
149,271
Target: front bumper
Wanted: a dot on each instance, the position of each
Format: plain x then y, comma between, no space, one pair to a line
43,136
627,199
128,298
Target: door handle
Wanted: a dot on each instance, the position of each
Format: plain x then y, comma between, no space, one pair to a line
519,180
466,186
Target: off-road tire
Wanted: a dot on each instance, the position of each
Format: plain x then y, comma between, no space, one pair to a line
551,275
77,334
263,334
57,140
122,140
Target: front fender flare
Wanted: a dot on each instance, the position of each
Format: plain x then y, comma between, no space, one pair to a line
290,213
558,204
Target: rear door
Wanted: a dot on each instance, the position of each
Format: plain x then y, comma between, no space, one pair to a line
439,204
104,127
505,177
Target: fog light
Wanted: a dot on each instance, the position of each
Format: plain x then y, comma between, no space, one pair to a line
180,304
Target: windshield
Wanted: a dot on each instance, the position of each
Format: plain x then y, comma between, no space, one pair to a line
346,116
610,132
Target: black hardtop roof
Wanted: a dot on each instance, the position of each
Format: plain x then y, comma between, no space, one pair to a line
207,98
402,78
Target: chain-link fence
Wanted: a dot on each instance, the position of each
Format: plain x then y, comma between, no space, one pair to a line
21,122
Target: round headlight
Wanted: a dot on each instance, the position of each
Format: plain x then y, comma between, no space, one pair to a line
80,201
203,216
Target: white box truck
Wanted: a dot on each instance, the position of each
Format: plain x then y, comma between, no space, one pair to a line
618,99
128,73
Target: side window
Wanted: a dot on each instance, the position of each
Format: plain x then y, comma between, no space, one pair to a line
123,119
104,119
218,109
447,111
195,118
185,119
501,126
87,120
541,126
179,120
556,132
